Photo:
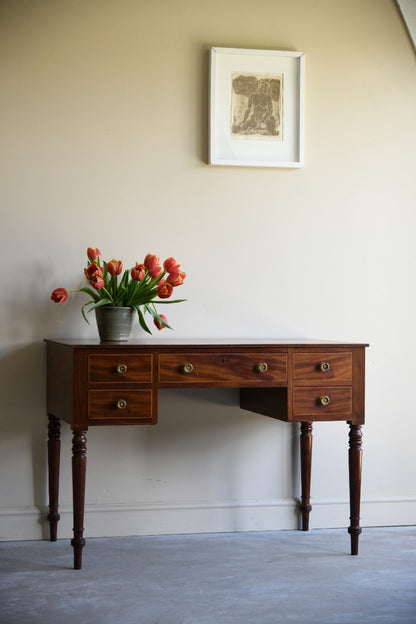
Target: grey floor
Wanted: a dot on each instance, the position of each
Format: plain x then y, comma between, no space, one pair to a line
229,578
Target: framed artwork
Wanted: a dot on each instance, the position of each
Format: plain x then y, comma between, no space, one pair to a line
256,107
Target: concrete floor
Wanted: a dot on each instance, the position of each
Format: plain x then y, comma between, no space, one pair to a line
229,578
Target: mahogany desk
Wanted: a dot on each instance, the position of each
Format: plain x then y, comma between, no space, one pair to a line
92,383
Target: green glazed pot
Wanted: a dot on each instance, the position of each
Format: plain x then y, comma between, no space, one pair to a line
114,324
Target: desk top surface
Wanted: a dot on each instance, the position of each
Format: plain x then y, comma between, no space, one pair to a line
206,342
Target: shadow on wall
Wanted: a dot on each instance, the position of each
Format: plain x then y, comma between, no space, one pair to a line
23,413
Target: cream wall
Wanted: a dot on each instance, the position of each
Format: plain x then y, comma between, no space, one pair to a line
103,117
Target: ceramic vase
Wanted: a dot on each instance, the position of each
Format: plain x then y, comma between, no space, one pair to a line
114,324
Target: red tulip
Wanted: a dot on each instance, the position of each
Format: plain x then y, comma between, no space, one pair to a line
171,266
158,324
115,267
97,281
164,290
155,271
93,269
93,254
151,261
59,295
176,279
138,272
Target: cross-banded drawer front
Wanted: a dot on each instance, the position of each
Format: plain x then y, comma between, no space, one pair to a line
120,406
120,368
322,368
222,368
322,402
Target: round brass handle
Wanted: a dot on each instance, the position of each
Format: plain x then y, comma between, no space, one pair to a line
262,367
324,366
121,404
187,367
122,368
324,400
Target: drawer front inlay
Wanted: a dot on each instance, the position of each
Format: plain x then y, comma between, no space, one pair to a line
322,401
120,405
322,367
120,368
222,367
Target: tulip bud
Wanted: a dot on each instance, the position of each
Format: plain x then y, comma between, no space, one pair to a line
59,295
93,254
158,324
115,267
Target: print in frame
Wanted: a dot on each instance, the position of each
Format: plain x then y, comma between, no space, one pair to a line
256,107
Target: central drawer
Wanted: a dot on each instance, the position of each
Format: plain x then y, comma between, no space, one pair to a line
222,367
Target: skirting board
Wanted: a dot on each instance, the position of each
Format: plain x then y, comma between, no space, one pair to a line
29,523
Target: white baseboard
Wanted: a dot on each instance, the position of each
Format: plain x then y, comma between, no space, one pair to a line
29,523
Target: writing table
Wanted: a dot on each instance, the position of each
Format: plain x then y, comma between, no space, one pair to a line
91,383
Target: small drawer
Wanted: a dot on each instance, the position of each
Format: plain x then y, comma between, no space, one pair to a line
321,402
320,368
223,368
133,406
123,368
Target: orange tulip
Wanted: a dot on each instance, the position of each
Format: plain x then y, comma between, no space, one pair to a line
115,267
138,272
164,290
97,281
171,266
176,279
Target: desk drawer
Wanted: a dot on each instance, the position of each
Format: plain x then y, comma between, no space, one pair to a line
322,402
322,367
222,367
123,368
118,406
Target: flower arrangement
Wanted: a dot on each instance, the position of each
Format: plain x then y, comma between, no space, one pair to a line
137,287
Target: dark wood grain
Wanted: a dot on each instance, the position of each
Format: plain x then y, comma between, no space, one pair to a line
85,387
322,367
223,368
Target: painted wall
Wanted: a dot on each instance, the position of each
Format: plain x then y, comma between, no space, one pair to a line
104,139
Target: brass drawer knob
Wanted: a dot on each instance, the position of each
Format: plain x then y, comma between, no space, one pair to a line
121,404
121,369
187,368
324,366
262,367
324,400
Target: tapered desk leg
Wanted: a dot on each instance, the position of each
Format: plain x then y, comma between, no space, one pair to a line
79,469
54,452
354,462
305,467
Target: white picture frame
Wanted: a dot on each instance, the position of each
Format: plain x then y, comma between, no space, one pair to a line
256,108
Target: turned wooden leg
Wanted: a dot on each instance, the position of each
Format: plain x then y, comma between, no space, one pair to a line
354,462
305,467
54,452
79,468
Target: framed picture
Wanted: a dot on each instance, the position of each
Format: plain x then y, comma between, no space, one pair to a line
256,107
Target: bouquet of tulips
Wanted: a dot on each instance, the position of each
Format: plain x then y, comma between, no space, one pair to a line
138,287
